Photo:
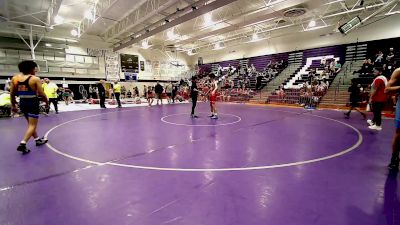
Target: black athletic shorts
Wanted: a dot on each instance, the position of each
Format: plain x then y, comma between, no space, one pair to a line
354,104
29,107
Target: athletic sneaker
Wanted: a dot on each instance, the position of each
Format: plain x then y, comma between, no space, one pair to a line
214,117
211,115
41,141
370,122
194,116
22,148
375,127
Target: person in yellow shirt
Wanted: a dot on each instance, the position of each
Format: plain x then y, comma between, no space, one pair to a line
5,103
50,89
117,93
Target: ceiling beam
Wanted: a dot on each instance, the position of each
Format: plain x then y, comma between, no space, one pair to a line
329,16
274,13
137,17
189,16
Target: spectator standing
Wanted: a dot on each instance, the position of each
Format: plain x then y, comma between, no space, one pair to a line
159,91
174,93
150,95
390,57
102,93
379,59
117,92
91,91
50,89
8,84
145,91
111,92
378,99
123,91
168,91
136,91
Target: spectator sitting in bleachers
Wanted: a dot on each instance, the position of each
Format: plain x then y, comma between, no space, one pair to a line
5,103
332,66
388,70
367,67
379,59
232,83
338,67
281,93
321,88
323,62
390,57
311,75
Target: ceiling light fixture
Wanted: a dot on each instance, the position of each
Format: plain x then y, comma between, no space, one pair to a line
74,32
312,23
208,19
254,37
48,45
145,44
58,19
89,15
171,35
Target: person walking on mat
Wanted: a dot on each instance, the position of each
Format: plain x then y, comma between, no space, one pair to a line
29,88
378,99
355,98
117,93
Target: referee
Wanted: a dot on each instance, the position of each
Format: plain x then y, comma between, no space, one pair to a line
194,92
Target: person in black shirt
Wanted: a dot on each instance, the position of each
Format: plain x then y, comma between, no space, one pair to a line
102,93
158,89
355,98
174,92
194,92
367,67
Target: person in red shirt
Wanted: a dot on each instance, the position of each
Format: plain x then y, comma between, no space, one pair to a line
213,96
378,99
393,88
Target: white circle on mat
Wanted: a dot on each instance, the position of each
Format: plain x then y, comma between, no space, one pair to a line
298,163
238,119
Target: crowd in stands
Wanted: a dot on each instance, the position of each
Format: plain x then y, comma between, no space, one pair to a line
386,62
312,90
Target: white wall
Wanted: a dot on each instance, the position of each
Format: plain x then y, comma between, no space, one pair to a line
289,40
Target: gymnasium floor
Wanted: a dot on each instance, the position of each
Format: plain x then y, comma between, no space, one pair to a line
256,165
